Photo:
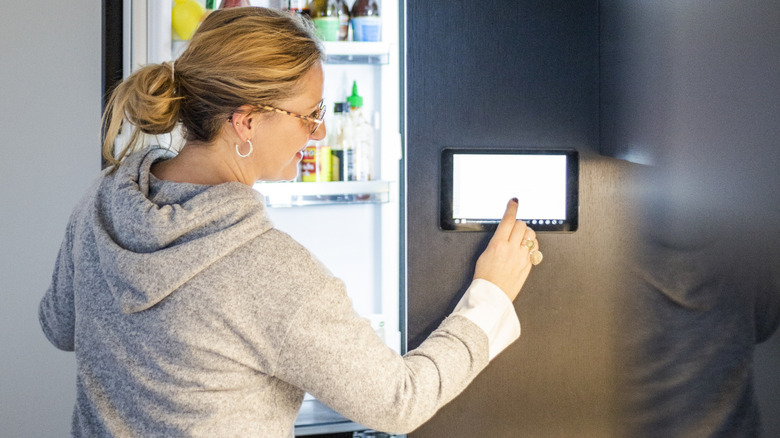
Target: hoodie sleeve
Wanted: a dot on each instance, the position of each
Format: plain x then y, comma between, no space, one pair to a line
56,312
334,354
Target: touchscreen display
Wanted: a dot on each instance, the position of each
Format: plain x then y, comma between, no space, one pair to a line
476,185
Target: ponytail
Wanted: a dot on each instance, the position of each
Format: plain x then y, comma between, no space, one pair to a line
146,100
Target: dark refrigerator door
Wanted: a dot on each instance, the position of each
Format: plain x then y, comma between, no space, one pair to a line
111,46
498,74
692,87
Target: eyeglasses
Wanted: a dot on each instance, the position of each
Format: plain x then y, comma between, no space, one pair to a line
314,119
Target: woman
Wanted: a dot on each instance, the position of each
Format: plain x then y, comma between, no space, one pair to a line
189,313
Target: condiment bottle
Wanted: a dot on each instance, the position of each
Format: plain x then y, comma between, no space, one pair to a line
343,14
342,150
366,23
326,19
211,5
362,136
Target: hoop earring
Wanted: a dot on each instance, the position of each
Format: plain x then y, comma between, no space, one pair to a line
251,148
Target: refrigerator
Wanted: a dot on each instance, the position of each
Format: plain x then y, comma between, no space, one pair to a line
353,227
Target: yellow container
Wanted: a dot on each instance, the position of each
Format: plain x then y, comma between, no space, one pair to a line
186,16
316,164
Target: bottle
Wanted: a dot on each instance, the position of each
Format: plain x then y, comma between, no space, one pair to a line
326,19
299,7
342,152
343,15
185,17
234,4
211,5
362,136
366,23
347,142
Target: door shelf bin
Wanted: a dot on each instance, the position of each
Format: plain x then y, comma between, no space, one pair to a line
352,52
299,194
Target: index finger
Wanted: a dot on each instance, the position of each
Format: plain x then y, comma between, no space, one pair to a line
504,229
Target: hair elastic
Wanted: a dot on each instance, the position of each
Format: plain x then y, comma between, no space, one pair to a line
173,76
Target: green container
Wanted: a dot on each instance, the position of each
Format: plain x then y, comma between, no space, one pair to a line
327,28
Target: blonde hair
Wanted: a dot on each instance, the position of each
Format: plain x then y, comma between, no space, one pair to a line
238,56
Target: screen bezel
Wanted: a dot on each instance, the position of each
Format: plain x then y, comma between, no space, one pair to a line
570,223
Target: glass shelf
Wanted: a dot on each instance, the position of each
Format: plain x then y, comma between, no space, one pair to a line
356,52
299,194
314,418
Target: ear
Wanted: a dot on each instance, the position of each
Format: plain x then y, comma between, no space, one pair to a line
242,122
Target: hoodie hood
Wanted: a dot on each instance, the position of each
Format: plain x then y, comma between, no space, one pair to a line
153,236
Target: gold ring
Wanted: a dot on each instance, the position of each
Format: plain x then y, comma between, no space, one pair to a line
529,243
536,257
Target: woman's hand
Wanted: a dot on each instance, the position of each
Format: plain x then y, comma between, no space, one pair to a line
506,261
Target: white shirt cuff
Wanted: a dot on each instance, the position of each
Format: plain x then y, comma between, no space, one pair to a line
487,306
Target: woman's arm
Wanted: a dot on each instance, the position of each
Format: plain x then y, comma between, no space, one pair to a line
334,354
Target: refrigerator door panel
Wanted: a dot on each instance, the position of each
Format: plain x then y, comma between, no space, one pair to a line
490,75
159,33
147,25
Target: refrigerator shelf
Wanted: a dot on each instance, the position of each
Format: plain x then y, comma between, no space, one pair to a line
299,194
355,52
314,418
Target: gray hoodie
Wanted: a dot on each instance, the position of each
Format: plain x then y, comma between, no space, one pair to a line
190,315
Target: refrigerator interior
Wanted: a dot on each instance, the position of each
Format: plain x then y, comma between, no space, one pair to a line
353,227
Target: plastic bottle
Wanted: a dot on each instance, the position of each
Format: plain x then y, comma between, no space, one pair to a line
342,150
366,23
363,136
185,17
211,5
326,19
344,16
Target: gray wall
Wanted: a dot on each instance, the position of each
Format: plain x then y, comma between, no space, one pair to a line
50,105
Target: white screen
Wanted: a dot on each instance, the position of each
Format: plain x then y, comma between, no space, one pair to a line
483,183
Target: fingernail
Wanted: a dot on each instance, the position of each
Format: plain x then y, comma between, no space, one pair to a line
515,199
